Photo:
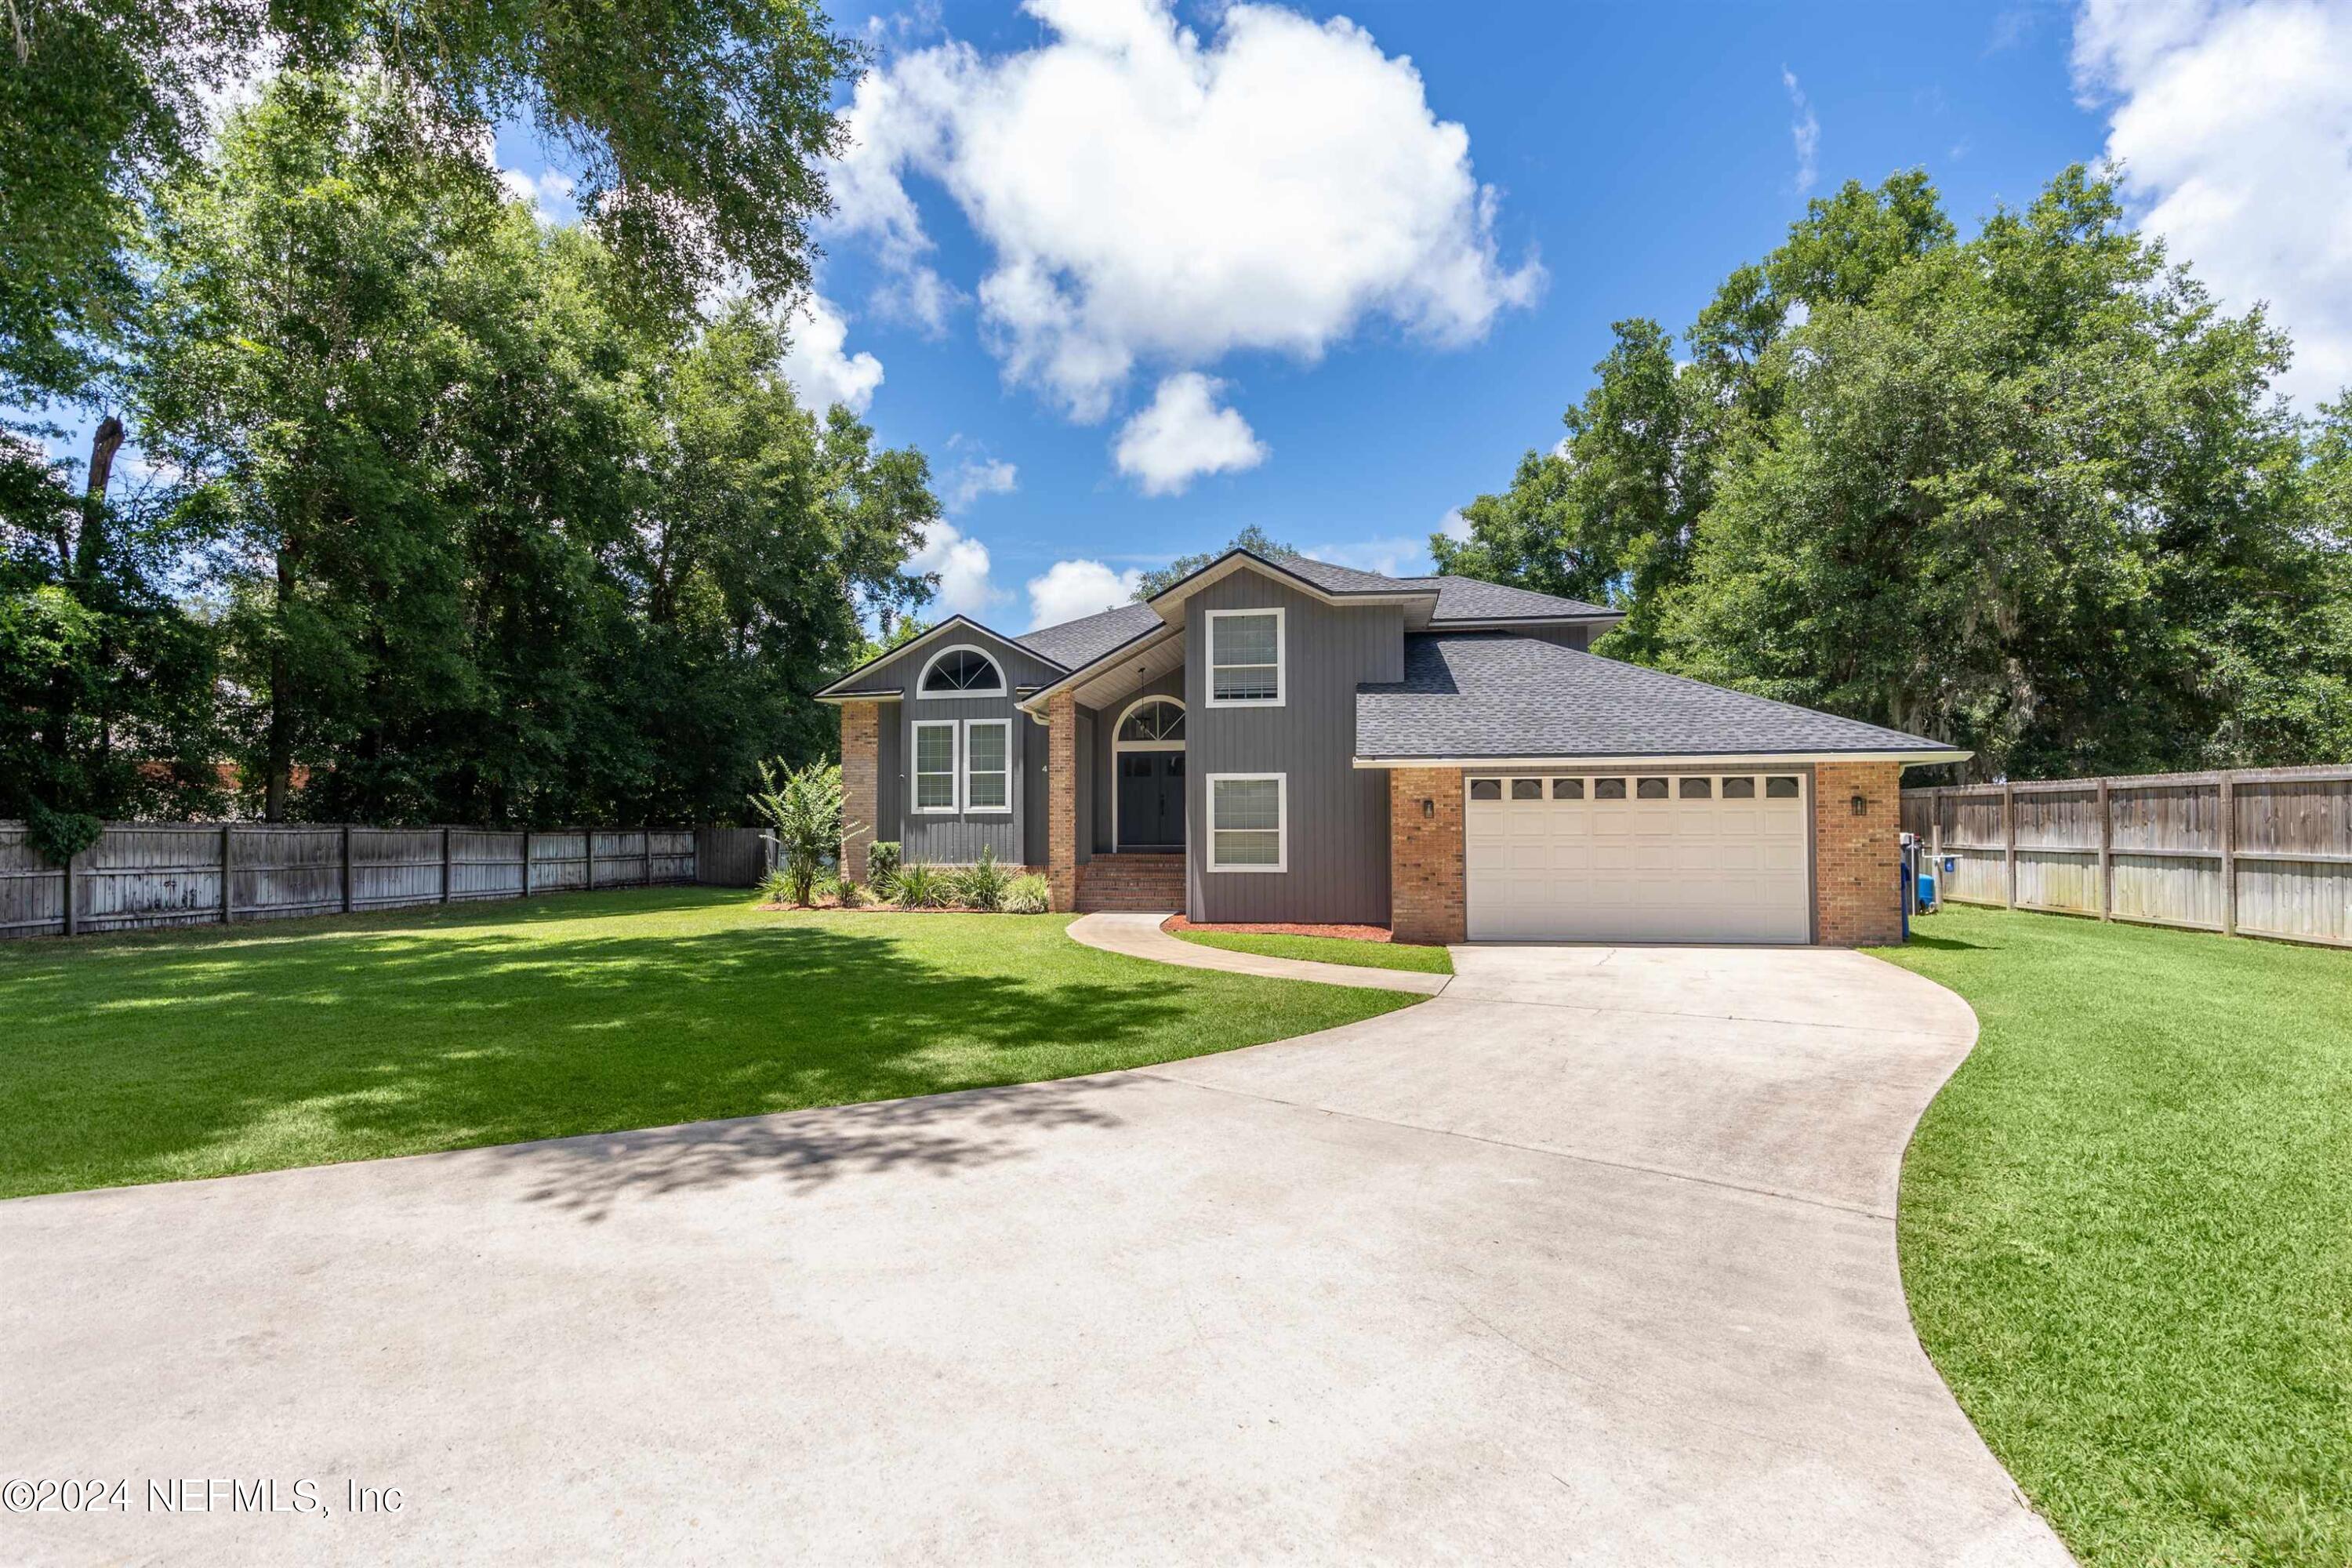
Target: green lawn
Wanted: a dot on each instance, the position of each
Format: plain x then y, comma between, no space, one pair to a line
205,1052
1328,950
2127,1233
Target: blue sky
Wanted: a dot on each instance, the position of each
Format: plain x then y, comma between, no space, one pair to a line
1634,152
1136,278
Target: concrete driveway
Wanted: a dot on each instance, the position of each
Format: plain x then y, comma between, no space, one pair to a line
1590,1259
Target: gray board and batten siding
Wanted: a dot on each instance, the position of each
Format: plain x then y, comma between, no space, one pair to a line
955,838
1337,813
143,875
2253,852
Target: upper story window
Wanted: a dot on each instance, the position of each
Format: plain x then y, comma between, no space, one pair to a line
1245,663
960,671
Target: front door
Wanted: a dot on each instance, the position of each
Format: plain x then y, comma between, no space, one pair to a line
1151,800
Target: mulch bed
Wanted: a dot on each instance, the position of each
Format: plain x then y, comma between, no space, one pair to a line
1351,933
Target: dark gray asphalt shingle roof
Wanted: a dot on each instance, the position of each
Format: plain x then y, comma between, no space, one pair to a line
1495,694
1079,642
1458,598
1469,599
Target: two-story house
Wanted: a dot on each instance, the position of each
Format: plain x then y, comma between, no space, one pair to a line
1289,741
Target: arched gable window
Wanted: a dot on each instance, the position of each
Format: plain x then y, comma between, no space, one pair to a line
1155,721
960,671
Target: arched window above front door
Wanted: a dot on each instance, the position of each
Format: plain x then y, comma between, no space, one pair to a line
1160,720
962,672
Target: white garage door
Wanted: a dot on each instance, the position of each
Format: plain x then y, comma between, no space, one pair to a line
1637,857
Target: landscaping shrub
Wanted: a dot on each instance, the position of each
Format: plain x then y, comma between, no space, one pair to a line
776,888
980,886
923,888
844,890
882,864
803,809
1028,894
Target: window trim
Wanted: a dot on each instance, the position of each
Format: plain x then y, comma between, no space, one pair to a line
963,768
1281,822
1281,696
994,663
915,774
1119,744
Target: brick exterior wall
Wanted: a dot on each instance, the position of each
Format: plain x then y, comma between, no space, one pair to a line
1426,901
1062,800
861,782
1856,900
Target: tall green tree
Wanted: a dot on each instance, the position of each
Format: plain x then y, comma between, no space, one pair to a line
297,358
1608,515
489,546
2031,493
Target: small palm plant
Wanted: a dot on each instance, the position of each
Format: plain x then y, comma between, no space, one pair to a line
802,810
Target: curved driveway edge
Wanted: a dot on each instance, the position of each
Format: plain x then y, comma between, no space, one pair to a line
1590,1259
1139,936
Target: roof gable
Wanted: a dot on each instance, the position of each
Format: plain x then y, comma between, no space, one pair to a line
858,681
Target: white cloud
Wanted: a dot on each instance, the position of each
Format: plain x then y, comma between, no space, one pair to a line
979,476
815,364
1144,195
1072,589
1184,435
2233,124
962,564
1804,131
548,193
1454,525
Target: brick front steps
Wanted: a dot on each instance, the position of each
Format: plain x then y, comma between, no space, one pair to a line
1138,883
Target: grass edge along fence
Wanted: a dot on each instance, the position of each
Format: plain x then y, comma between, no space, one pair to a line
143,875
2260,852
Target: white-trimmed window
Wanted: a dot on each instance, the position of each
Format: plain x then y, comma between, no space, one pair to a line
1246,666
1249,822
962,671
935,764
988,764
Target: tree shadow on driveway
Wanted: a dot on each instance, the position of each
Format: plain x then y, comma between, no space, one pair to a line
938,1134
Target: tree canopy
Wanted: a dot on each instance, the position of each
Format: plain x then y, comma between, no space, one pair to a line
436,527
2029,493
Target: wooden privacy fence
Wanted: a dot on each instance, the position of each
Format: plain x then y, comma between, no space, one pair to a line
142,873
2258,852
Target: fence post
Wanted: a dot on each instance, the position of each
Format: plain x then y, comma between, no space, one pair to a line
73,913
526,862
445,865
2008,845
2107,855
229,874
2229,854
347,868
649,856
